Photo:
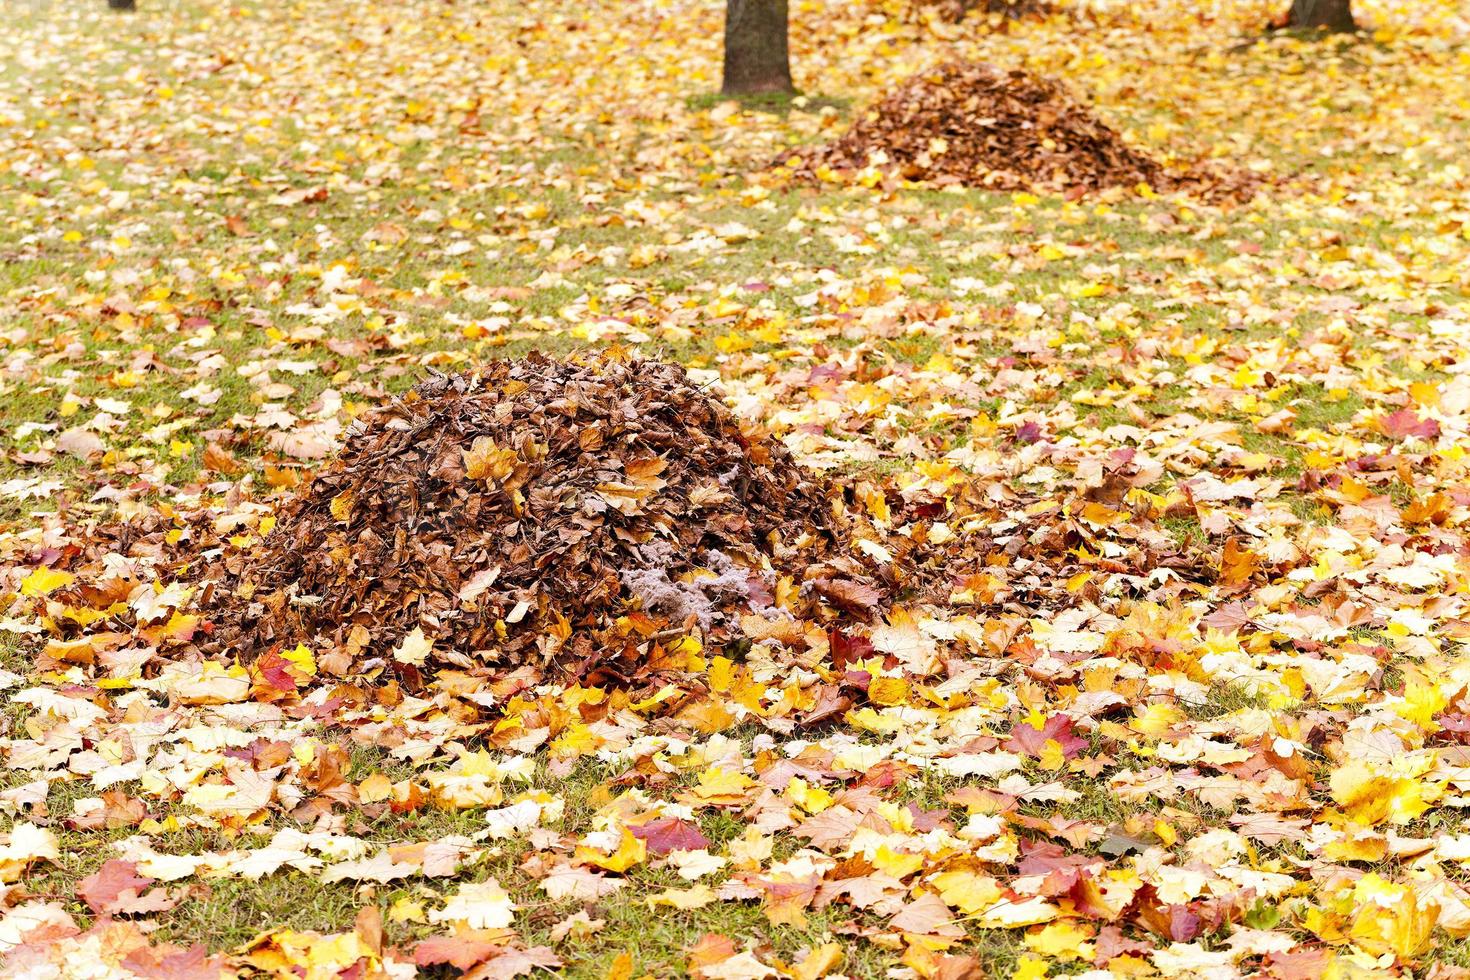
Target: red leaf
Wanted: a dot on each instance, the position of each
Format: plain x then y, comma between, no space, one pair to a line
1184,924
173,963
1404,423
1062,871
848,649
1029,739
670,834
461,951
1179,923
115,884
1111,944
273,671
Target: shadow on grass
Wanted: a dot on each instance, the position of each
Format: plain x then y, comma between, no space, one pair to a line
777,103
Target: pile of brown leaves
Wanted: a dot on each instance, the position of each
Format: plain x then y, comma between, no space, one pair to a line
955,11
541,510
979,125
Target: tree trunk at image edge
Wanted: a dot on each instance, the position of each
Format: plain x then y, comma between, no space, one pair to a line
1328,15
122,4
757,58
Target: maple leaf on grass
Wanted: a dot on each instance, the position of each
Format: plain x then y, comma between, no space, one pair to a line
1028,738
566,881
482,905
27,844
516,962
168,962
1405,423
927,915
666,834
117,889
461,949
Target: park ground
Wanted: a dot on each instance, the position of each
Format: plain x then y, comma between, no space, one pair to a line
228,228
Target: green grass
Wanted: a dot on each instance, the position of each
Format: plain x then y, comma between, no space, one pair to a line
1225,698
778,103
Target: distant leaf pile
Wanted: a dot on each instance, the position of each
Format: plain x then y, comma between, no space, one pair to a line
538,510
976,124
958,10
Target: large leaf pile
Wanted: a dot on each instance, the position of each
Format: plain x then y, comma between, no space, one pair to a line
536,510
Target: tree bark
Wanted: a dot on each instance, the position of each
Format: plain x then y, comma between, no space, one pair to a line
757,57
1326,15
122,4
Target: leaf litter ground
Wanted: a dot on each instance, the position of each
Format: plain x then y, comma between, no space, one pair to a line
1164,494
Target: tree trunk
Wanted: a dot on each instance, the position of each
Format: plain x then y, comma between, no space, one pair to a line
122,4
1327,15
757,58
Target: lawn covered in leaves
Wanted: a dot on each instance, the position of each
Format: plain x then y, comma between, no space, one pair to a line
1192,701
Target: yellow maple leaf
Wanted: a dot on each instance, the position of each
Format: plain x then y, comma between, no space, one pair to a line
1370,794
341,505
1156,719
1064,939
967,891
1015,914
406,909
622,967
484,460
1390,918
717,785
577,740
888,690
707,716
44,581
1422,701
1052,756
896,863
336,953
820,962
480,763
1029,967
1357,845
631,850
301,658
812,799
1425,393
684,899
